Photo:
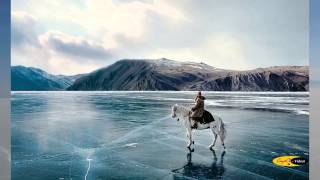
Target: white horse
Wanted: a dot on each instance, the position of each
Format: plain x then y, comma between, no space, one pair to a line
217,126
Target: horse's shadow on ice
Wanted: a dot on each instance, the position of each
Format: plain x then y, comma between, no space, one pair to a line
215,170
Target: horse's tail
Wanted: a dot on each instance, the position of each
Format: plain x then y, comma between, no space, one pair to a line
223,131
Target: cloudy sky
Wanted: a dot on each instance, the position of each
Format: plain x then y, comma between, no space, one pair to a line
78,36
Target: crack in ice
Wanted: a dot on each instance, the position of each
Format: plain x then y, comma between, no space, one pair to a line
131,133
89,166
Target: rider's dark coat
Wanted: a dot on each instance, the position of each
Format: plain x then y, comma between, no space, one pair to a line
198,109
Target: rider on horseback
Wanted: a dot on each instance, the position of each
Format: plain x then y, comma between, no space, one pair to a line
197,111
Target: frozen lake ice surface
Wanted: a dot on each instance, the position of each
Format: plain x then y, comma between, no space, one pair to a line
130,135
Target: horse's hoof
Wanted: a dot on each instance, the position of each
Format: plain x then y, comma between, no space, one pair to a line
210,147
192,142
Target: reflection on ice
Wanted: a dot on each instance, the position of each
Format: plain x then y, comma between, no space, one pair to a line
215,170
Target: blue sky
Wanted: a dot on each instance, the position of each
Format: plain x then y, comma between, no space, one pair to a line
70,37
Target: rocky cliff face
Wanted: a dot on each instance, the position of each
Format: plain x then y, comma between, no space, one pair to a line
164,74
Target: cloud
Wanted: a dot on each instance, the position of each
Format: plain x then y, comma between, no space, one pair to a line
227,34
23,30
26,49
73,46
53,51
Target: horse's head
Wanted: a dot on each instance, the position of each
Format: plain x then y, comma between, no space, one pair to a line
174,111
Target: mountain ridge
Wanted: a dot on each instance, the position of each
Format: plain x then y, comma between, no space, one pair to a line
165,74
35,79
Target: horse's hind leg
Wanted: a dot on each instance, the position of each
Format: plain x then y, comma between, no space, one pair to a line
222,142
189,135
215,139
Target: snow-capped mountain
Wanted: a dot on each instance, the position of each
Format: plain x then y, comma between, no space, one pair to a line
165,74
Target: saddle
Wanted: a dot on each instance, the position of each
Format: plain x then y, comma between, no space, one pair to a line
206,118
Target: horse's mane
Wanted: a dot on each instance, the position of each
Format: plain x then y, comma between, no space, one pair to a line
183,108
185,105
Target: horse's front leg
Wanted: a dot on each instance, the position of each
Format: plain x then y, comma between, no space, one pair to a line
189,135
